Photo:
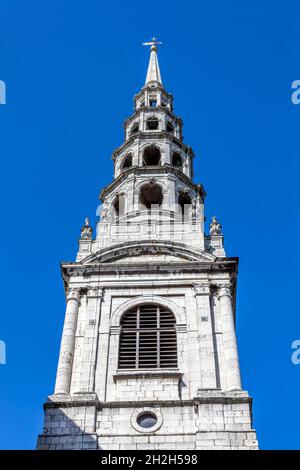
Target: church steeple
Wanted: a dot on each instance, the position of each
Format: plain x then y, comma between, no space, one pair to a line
148,355
153,170
153,72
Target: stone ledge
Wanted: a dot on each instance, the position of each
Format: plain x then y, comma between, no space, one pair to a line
77,399
148,402
91,399
134,374
70,401
218,396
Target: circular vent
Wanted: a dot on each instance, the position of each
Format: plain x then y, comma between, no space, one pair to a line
147,420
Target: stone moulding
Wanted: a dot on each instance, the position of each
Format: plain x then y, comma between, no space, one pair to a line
208,396
120,375
77,399
228,265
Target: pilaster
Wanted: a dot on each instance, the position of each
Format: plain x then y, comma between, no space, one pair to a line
205,338
91,337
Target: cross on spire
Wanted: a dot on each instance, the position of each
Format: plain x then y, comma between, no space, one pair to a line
153,43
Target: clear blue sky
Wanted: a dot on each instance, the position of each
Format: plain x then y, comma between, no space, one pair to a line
71,69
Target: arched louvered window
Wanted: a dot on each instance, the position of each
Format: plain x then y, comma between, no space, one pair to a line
148,338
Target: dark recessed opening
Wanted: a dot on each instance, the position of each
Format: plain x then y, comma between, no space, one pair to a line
134,129
147,420
151,156
176,160
127,162
170,128
118,207
151,194
152,123
184,202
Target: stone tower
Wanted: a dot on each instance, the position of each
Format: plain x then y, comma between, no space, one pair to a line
148,356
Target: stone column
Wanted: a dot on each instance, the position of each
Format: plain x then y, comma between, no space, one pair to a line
233,378
65,362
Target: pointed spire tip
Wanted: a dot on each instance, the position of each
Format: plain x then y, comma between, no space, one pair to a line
153,72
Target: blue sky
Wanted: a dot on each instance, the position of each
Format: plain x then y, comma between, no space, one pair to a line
71,70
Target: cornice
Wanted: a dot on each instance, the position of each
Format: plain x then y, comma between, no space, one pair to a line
149,135
136,114
183,267
204,397
156,170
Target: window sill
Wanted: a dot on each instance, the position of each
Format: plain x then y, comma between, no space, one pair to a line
147,374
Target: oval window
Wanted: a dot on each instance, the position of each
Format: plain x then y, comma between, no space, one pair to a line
147,420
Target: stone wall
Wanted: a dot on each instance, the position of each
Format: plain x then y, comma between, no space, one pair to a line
211,421
198,405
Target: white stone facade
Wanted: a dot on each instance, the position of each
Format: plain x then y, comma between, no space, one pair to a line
155,257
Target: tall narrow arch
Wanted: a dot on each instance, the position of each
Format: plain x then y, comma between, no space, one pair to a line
118,207
184,204
134,128
148,338
127,162
170,128
177,160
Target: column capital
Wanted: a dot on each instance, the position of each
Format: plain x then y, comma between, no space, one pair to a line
95,291
74,294
202,288
224,290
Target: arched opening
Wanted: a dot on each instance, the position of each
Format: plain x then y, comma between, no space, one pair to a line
151,156
170,128
148,338
127,162
116,209
152,123
152,101
134,129
177,160
185,204
150,195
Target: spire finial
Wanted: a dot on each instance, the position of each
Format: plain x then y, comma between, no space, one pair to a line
153,43
153,72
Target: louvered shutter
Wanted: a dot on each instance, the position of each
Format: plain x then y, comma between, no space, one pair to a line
148,338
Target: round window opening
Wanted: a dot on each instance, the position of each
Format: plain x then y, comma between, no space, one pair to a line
147,420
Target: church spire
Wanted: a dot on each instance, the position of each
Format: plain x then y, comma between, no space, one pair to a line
153,72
